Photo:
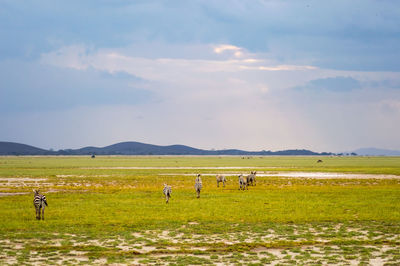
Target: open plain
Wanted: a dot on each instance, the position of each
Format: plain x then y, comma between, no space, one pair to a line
345,210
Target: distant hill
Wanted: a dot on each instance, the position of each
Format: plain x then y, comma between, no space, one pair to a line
12,148
137,148
377,152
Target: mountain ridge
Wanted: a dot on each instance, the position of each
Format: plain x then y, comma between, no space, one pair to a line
138,148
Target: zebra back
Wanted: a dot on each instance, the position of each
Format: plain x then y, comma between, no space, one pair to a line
167,190
39,200
242,182
221,178
251,177
44,200
198,183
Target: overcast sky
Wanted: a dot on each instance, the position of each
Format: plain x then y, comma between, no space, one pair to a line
254,75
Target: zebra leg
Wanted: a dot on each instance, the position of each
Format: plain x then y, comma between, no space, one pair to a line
43,213
39,209
36,211
217,184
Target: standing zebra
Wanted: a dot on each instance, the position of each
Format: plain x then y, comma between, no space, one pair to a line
198,185
167,192
221,178
251,178
242,183
39,201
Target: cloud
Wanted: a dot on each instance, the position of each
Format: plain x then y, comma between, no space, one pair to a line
27,86
237,51
201,74
74,56
162,68
385,83
362,36
334,84
280,68
207,103
245,102
390,106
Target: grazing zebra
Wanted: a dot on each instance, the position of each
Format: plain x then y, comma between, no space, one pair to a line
251,178
39,201
167,192
198,185
242,183
221,178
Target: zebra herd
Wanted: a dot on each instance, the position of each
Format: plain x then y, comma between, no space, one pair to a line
40,202
243,184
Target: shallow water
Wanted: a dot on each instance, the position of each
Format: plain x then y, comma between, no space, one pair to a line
177,168
313,175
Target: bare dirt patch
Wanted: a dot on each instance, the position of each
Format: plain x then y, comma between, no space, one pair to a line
172,246
21,179
5,194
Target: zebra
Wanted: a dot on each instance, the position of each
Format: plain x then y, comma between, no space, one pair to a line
39,201
221,178
251,178
198,185
242,183
167,192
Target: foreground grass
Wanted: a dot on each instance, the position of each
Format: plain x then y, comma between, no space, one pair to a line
138,209
119,215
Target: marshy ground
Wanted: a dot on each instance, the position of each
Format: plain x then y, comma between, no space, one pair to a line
111,210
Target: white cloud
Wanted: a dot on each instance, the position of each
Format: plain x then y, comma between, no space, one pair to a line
74,56
279,68
162,68
237,51
218,101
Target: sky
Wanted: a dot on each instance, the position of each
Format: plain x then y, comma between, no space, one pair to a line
253,75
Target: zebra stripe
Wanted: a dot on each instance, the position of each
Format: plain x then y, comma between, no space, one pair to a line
198,185
39,202
242,183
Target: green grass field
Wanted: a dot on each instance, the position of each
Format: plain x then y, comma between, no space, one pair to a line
111,210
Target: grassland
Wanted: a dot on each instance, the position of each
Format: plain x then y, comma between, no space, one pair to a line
111,210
